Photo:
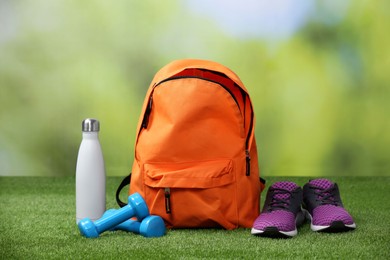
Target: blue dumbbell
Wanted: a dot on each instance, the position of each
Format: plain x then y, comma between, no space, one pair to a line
151,226
136,207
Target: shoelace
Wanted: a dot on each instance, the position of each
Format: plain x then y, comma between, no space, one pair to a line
280,203
325,196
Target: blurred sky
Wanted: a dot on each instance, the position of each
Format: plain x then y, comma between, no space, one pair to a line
263,19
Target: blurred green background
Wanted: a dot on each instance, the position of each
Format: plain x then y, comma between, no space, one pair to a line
318,73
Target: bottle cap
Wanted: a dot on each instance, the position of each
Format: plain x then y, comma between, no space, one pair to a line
90,125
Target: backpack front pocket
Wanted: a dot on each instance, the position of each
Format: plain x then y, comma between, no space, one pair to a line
193,194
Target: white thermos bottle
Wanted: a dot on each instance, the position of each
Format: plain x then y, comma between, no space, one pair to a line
90,174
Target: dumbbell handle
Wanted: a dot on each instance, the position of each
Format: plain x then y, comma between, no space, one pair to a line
129,225
151,226
112,220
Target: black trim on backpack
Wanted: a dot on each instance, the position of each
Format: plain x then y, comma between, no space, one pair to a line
124,183
205,79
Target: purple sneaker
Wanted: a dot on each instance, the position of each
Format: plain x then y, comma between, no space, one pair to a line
325,210
282,211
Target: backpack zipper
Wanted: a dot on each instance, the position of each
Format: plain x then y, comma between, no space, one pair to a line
248,162
247,152
167,194
148,110
209,80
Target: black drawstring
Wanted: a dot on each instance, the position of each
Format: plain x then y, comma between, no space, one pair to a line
124,183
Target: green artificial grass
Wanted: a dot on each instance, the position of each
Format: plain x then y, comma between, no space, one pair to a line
37,221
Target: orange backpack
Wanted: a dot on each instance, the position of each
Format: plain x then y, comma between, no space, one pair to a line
195,152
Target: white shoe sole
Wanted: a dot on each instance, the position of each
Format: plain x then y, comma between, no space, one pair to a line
275,232
336,226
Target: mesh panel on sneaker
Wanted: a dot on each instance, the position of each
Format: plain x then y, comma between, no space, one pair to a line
321,183
283,220
284,185
325,215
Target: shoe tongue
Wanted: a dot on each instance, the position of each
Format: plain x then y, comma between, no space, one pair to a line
284,185
322,186
321,183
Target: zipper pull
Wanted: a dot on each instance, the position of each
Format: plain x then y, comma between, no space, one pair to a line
248,163
167,194
148,110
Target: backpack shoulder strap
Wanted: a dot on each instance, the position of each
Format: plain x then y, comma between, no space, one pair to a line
124,183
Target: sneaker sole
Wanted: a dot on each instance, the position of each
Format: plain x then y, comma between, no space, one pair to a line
334,227
274,232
